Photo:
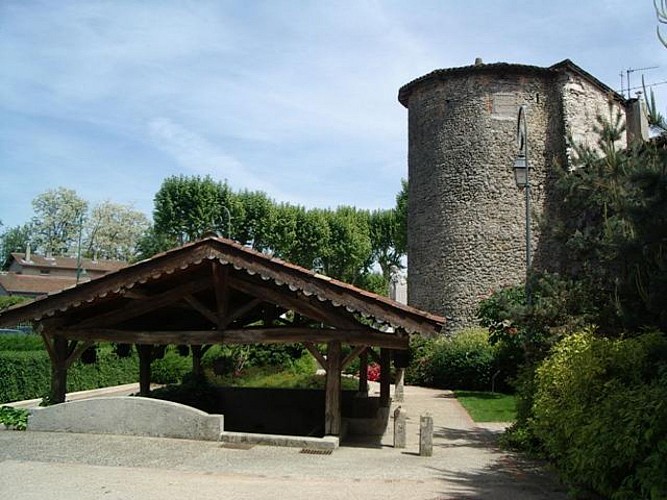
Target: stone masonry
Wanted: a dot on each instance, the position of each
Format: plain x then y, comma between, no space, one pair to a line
466,217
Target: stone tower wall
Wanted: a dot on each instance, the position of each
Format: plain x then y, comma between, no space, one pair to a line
466,217
466,230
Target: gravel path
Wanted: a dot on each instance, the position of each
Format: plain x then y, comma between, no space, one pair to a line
465,464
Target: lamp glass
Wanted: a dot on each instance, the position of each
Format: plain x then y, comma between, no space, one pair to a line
521,171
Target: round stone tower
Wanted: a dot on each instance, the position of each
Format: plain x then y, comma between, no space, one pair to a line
466,216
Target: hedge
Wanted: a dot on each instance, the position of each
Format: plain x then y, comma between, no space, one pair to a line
600,413
463,361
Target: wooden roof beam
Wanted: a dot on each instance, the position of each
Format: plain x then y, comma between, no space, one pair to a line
286,335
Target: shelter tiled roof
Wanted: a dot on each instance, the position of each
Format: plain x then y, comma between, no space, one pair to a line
250,268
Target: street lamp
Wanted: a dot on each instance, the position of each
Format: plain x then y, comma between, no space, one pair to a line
522,179
229,221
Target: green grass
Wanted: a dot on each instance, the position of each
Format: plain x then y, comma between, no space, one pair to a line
488,406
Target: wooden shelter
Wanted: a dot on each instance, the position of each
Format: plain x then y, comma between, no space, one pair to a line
215,291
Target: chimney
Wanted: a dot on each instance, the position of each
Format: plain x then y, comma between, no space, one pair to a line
636,121
27,252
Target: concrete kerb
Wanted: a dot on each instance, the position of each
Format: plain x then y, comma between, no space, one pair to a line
312,443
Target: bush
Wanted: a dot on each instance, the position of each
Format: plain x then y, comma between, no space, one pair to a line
21,342
228,359
24,375
27,374
171,367
464,361
600,413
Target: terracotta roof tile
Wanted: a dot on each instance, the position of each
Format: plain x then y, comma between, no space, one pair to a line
38,285
61,262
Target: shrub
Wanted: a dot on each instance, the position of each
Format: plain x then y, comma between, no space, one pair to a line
171,367
600,413
226,359
27,374
21,342
465,361
14,418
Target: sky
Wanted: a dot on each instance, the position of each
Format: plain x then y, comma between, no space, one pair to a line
296,98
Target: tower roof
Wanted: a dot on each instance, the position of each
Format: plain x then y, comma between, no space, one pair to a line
502,68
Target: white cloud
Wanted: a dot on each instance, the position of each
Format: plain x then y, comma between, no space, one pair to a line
294,98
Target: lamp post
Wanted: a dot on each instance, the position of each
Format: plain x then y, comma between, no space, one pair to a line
522,179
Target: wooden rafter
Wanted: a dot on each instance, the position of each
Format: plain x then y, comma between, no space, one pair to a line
240,312
143,306
321,360
201,309
352,355
300,303
77,352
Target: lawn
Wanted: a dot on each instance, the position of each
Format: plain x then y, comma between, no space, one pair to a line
488,406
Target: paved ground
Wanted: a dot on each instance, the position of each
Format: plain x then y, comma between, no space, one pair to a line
465,464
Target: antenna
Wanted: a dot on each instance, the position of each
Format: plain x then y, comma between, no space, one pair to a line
627,74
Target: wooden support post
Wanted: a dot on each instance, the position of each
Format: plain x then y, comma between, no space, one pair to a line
385,377
363,372
332,409
145,358
196,361
59,369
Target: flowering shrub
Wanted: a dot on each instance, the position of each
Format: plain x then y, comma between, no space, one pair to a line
373,372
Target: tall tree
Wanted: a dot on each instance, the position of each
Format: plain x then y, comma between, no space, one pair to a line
254,221
113,231
56,225
187,207
402,219
384,230
350,247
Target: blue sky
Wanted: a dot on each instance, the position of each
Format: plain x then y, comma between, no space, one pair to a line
296,98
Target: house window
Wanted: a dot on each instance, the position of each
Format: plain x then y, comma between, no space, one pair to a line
45,271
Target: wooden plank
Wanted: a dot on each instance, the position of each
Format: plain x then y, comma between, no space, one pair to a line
139,307
332,409
279,335
321,360
201,309
353,354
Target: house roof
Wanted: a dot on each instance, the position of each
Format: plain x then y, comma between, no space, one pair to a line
500,68
61,262
208,288
34,285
